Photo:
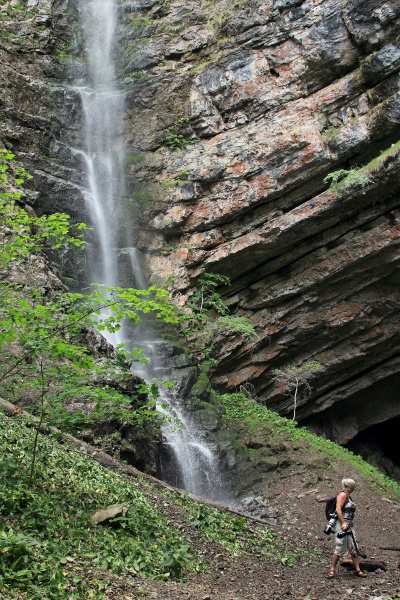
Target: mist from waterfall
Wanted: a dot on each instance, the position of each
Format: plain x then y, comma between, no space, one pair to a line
185,460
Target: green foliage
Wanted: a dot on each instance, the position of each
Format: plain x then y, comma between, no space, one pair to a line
39,326
62,555
46,533
42,350
175,140
134,158
177,136
343,178
206,302
206,297
232,533
293,373
208,358
361,176
237,326
24,232
220,19
380,161
139,199
139,24
239,409
214,523
17,551
17,11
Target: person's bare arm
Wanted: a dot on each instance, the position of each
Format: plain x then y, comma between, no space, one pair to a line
340,502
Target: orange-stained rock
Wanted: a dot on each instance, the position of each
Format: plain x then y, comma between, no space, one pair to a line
265,100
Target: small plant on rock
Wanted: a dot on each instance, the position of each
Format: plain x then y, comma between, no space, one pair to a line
178,135
206,296
209,315
293,378
343,178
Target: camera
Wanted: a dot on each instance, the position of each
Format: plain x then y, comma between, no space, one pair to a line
331,523
342,534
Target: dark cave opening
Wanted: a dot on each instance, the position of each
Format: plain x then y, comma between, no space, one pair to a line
367,422
379,445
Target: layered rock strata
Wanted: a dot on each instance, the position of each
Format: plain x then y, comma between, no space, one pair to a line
264,101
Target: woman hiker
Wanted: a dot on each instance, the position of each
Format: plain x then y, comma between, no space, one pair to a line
345,509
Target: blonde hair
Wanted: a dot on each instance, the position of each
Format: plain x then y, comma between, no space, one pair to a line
348,484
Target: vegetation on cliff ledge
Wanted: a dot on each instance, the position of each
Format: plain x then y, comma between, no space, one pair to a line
248,419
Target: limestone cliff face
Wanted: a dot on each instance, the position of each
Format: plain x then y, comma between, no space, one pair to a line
236,113
258,103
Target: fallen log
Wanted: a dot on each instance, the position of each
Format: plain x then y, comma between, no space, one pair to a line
113,464
368,564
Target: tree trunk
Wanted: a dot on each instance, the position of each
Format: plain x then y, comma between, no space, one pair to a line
366,564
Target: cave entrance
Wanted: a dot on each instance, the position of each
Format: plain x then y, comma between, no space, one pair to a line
379,445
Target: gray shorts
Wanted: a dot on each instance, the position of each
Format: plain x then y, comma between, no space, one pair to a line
345,543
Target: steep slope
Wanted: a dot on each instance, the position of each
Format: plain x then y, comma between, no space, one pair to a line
171,546
237,112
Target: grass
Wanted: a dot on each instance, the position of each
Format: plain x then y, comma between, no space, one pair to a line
380,161
51,550
253,416
47,537
361,176
233,534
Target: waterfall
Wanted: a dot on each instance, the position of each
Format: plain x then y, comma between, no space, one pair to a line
103,107
185,460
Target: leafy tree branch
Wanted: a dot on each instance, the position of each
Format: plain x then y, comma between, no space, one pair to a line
43,355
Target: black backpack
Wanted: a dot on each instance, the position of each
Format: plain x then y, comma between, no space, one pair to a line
330,507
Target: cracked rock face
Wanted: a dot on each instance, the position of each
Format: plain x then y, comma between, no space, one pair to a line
235,115
268,99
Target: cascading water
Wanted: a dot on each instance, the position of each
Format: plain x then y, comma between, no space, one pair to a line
103,106
186,460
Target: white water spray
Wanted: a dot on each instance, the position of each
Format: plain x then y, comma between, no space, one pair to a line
186,460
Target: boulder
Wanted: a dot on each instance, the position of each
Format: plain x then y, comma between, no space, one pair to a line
106,514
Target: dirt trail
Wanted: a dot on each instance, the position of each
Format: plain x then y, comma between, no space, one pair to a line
302,522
